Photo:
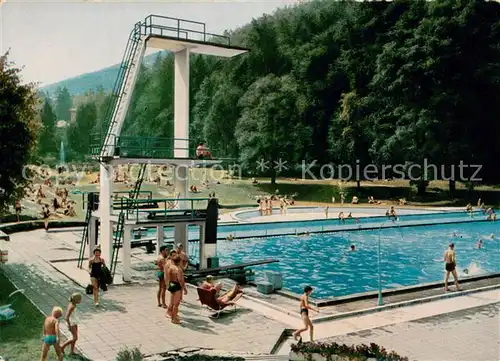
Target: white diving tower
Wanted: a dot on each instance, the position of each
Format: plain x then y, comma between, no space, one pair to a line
110,148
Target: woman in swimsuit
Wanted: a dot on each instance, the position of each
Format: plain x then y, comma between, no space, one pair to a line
95,267
176,285
450,266
46,215
160,275
304,314
72,322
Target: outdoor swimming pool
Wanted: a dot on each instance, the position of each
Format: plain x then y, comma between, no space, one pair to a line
409,256
263,229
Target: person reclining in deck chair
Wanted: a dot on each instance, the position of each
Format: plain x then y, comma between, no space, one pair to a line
209,284
230,298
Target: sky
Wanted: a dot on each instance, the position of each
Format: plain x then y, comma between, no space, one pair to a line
55,40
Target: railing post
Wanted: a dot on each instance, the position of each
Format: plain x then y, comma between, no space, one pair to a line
178,28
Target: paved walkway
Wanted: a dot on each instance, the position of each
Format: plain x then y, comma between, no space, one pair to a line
128,315
466,335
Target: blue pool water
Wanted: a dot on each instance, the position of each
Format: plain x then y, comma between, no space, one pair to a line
409,256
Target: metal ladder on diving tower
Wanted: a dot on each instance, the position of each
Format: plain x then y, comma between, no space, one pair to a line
122,91
112,125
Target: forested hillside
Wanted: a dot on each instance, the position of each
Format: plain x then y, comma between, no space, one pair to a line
341,82
95,81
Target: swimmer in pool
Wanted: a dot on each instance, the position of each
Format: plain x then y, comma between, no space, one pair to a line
450,266
304,314
353,248
479,244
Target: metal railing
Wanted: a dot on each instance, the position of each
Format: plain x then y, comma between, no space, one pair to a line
157,25
123,73
164,207
153,25
116,195
151,147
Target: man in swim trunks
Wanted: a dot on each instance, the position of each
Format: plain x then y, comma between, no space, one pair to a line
304,314
450,267
176,286
51,335
160,275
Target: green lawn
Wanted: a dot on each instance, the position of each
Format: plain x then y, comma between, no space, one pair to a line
233,193
20,339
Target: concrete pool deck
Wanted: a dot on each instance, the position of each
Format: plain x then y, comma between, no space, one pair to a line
129,315
358,211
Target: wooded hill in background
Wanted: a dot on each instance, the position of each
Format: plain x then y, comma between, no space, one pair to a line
337,82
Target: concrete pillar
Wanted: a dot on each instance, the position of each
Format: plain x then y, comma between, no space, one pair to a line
160,238
181,104
105,208
181,179
181,236
93,239
210,250
181,135
203,258
127,254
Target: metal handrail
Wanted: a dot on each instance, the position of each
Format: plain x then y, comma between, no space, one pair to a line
130,203
123,72
146,27
148,24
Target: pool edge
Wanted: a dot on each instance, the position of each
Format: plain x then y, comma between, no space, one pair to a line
405,303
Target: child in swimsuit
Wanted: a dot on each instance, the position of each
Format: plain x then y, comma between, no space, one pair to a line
304,314
51,334
72,321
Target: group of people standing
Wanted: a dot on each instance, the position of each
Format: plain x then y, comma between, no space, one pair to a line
170,275
266,205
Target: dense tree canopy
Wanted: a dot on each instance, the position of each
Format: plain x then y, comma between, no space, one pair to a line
344,82
47,143
19,127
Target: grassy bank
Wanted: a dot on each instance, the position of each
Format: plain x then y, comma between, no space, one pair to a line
234,192
20,339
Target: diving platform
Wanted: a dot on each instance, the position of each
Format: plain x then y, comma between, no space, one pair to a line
110,147
175,34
